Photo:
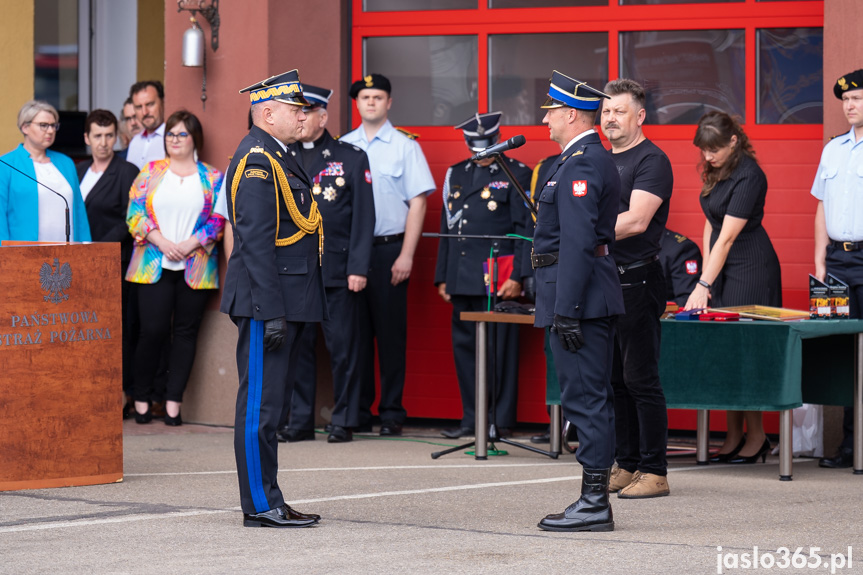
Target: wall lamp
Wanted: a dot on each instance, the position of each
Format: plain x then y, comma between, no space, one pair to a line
194,54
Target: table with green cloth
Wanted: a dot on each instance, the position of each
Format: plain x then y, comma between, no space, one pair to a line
760,366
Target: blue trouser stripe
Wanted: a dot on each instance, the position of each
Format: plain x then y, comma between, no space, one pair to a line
253,415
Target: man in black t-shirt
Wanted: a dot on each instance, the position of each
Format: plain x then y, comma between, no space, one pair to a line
641,420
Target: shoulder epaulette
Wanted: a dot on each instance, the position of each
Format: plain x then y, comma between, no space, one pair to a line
410,135
256,150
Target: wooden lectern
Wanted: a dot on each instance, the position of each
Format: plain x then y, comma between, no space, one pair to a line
60,365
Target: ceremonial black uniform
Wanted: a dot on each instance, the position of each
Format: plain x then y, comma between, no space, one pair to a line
265,281
342,187
577,211
481,201
681,263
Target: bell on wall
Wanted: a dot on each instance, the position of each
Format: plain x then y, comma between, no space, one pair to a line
193,46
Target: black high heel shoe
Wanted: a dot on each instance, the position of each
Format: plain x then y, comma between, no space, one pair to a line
724,457
762,453
173,421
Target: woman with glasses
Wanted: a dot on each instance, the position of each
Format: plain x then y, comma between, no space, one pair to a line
37,184
174,260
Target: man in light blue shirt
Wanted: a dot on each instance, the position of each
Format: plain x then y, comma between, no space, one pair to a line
838,186
401,180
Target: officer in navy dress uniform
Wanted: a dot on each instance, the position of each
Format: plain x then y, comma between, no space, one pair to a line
578,290
273,287
479,199
342,187
681,263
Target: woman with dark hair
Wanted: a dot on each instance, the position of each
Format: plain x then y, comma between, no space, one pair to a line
740,265
30,211
174,261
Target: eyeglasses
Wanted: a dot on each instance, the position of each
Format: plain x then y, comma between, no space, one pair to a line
178,137
45,126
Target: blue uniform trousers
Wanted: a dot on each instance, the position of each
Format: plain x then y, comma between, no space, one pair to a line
265,381
585,391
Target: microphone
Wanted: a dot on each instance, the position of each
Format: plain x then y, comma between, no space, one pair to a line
62,197
514,142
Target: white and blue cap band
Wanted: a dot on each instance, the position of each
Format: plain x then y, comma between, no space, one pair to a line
566,91
318,97
481,130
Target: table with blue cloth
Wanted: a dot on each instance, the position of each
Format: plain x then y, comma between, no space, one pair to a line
760,366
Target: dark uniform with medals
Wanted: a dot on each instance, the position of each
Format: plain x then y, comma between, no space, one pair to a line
578,291
273,287
480,200
681,264
342,188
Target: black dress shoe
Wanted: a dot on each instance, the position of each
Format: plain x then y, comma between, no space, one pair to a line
541,438
843,459
145,417
390,427
287,435
173,421
339,434
458,432
282,516
294,514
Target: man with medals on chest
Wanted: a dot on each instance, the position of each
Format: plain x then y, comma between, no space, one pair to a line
479,199
578,292
342,188
273,288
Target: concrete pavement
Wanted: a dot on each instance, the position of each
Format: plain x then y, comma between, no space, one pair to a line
387,507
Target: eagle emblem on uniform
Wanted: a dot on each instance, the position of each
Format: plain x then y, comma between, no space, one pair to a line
55,280
579,188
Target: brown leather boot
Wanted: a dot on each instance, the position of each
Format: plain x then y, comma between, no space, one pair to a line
619,479
592,511
645,486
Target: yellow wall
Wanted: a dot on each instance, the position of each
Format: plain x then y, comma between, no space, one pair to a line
16,68
151,40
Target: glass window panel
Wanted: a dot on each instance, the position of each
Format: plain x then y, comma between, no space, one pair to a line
686,73
434,78
790,68
55,39
412,5
641,2
521,65
544,3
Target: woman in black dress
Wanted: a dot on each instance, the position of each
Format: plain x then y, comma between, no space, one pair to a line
740,264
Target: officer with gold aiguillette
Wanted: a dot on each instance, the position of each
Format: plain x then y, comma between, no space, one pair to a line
273,287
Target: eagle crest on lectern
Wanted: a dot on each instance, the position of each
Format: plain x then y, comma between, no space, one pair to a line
55,280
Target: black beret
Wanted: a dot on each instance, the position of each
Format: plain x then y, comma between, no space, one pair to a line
852,81
372,81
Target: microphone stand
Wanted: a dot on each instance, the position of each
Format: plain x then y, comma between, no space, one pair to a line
492,330
62,197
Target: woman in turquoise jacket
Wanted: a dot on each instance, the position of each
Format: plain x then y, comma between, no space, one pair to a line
29,211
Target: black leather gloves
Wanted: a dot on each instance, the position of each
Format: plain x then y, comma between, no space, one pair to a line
275,331
529,286
569,331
